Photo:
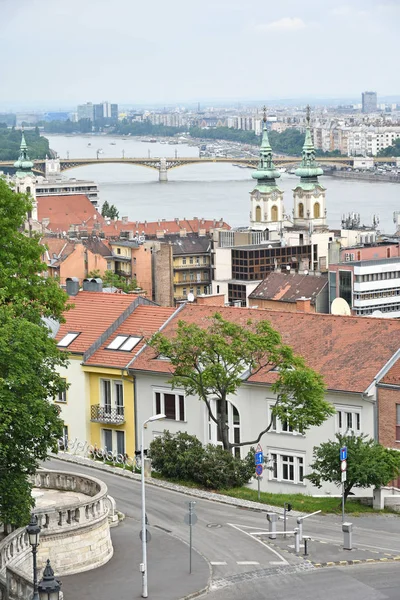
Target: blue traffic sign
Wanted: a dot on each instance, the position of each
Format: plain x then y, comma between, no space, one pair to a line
343,453
259,458
259,470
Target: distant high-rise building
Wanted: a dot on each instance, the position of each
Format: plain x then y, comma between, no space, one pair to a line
369,102
85,111
105,113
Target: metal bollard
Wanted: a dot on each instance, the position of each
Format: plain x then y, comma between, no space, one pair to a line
347,529
306,539
272,520
300,524
296,540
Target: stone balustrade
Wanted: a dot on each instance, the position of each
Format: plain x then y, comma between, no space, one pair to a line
75,536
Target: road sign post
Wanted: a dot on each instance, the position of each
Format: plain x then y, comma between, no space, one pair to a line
259,462
190,519
343,468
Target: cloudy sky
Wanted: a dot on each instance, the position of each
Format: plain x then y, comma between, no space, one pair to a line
61,52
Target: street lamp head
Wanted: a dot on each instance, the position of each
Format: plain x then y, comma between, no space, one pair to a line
49,587
33,531
157,417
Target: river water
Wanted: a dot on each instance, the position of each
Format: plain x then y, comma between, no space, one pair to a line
209,190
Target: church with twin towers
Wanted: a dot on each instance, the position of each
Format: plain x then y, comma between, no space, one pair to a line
267,211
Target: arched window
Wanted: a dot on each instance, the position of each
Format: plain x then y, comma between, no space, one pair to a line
258,213
233,422
301,210
274,213
317,210
28,189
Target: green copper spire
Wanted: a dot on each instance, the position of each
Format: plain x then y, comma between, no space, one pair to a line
266,172
309,169
23,164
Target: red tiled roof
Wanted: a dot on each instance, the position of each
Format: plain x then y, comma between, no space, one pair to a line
167,227
92,313
64,211
347,351
143,322
393,375
289,287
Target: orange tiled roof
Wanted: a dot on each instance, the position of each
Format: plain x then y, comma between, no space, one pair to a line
64,211
92,313
143,322
168,227
347,351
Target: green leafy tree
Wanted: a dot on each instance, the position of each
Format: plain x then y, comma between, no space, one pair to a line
109,211
10,140
111,279
29,422
393,150
368,463
212,363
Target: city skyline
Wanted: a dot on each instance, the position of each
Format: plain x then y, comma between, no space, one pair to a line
187,55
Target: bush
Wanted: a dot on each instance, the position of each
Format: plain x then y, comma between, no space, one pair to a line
182,456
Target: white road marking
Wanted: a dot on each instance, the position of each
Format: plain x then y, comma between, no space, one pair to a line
282,561
340,541
247,562
218,564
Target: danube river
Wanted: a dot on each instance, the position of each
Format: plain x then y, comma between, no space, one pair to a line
208,190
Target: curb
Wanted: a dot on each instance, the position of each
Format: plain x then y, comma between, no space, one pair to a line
196,594
344,563
174,487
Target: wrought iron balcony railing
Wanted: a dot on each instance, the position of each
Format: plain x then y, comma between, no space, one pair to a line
107,414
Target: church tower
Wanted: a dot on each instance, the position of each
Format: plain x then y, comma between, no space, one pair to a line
25,180
266,200
309,194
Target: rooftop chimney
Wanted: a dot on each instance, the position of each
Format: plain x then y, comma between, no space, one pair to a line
93,285
303,304
182,232
125,219
72,285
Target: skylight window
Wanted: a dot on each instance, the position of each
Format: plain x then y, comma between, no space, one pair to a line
67,339
124,342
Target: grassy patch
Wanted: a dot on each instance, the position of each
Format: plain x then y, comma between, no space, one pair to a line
299,502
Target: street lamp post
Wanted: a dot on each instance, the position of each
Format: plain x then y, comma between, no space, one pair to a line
49,587
33,531
143,566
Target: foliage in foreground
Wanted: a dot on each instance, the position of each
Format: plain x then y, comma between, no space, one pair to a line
29,423
182,456
368,463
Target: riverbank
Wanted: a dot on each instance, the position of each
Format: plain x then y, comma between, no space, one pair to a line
364,176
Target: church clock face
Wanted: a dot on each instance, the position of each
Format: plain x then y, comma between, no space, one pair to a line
274,195
316,193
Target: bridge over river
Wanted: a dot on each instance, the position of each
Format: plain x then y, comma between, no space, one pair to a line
163,165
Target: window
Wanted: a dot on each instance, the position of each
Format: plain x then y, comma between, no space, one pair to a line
172,405
301,210
119,397
348,420
345,288
106,395
62,396
274,213
258,214
67,339
108,265
64,439
233,422
191,260
397,422
317,210
124,342
114,441
118,250
279,426
120,435
286,467
107,439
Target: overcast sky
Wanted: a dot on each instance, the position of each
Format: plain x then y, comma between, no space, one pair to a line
61,52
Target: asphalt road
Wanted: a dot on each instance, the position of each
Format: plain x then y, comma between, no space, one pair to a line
243,566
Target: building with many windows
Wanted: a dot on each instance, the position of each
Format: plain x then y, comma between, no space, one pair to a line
369,102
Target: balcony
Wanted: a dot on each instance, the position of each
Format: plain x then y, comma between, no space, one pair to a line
194,266
107,414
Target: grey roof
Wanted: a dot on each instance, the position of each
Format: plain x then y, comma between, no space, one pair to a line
289,287
190,245
125,243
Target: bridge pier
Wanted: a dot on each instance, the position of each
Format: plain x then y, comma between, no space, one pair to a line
163,171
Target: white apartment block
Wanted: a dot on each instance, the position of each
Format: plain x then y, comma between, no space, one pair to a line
353,140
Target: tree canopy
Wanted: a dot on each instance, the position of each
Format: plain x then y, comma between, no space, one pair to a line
109,210
29,422
213,362
10,141
393,150
368,463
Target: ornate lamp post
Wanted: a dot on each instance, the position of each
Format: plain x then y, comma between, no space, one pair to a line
143,566
49,587
33,531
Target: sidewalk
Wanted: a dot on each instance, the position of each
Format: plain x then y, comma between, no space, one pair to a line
168,569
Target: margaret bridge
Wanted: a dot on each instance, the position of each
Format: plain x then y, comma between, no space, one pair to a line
163,165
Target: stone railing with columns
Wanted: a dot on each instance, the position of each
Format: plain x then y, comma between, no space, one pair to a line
75,536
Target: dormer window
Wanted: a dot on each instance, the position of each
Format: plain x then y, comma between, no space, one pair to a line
124,342
67,339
